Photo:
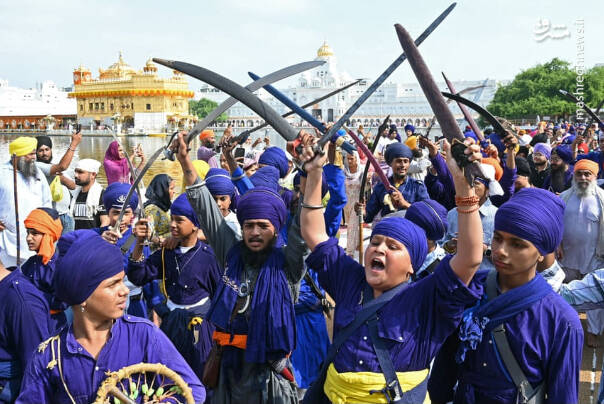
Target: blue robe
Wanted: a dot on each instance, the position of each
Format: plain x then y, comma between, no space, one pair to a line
415,323
41,276
413,190
24,323
133,340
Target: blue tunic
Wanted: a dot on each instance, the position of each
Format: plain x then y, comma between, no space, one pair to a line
133,340
41,276
24,323
415,323
413,190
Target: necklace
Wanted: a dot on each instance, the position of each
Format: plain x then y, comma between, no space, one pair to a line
185,264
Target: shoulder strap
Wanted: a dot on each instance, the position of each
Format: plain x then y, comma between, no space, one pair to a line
502,345
128,243
392,390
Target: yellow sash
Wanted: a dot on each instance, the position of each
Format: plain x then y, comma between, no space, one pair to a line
354,387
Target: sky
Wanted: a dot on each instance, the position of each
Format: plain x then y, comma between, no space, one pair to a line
45,40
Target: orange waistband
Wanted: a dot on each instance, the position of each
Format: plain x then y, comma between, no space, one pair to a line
223,338
53,312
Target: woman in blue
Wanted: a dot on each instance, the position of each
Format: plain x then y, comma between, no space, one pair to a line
190,274
69,367
543,332
411,327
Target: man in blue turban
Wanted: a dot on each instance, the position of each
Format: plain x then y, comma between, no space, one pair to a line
431,216
543,332
267,176
252,307
409,130
274,156
403,190
561,175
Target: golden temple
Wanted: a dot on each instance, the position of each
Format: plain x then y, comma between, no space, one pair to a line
139,99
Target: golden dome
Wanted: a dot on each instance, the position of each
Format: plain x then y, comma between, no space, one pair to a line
324,50
150,66
81,68
119,69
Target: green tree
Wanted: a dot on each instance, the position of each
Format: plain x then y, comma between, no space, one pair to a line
203,107
535,91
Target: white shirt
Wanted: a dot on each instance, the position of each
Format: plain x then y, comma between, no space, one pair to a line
383,143
581,233
231,220
33,193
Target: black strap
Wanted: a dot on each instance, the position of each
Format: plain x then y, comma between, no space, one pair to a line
502,345
325,305
392,390
427,271
128,243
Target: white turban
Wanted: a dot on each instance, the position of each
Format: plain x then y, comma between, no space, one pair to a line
89,165
494,186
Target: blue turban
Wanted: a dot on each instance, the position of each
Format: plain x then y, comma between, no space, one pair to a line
568,139
262,203
219,182
115,196
408,233
274,156
182,207
430,216
410,127
396,150
564,152
535,215
496,141
544,149
556,128
267,176
470,133
85,260
571,129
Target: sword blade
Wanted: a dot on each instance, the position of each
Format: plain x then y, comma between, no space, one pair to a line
464,110
497,126
253,86
354,107
235,90
591,113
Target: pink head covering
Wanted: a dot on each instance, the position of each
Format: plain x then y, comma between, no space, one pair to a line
116,169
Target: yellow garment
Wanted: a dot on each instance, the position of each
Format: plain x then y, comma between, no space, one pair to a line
354,387
201,167
194,321
411,142
22,146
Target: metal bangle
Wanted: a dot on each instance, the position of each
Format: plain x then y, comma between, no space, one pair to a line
305,205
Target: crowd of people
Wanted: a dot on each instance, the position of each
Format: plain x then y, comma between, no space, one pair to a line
242,283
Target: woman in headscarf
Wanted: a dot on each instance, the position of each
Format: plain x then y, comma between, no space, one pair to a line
116,164
353,170
414,320
189,273
543,332
70,367
44,228
159,199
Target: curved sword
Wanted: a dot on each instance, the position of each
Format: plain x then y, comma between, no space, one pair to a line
465,111
465,90
374,86
236,91
497,126
302,113
591,113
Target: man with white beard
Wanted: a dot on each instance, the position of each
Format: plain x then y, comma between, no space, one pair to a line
32,192
582,248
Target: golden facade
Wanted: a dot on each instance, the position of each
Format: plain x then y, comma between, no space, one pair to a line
120,92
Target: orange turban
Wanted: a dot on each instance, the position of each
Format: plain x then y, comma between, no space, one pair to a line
586,164
206,134
496,165
51,229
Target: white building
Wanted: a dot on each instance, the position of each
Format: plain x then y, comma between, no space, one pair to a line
44,100
405,102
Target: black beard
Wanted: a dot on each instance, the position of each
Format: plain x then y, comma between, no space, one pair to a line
45,160
210,145
540,164
256,259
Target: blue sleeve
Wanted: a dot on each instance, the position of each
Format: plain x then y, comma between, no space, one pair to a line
374,205
36,386
337,198
336,271
422,192
140,273
565,365
241,181
444,175
164,352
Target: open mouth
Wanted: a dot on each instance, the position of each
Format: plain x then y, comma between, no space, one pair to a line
377,265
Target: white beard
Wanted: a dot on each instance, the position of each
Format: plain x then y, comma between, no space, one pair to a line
583,192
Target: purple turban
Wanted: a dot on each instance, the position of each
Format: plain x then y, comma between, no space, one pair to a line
182,207
274,156
262,203
396,150
410,127
205,154
544,149
535,215
430,216
408,233
564,152
85,260
267,176
219,182
115,196
568,139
